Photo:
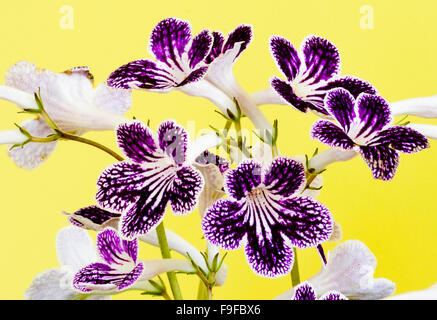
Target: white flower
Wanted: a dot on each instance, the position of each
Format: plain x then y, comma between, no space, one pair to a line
327,157
74,249
426,294
69,99
349,270
425,107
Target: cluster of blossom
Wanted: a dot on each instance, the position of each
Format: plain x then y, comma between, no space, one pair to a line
266,202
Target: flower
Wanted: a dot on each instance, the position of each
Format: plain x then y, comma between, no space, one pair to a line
305,291
426,294
265,210
69,99
74,249
179,65
98,219
158,171
349,270
118,268
428,130
311,74
365,126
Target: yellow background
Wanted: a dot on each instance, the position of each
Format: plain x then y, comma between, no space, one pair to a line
397,220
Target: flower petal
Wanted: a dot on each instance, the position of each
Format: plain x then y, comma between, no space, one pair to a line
173,140
142,74
340,103
93,217
286,92
304,291
242,179
330,134
223,224
333,296
350,270
138,142
169,40
268,256
47,286
115,251
322,59
286,57
194,76
306,222
373,115
33,154
402,138
74,247
185,190
354,85
101,277
200,47
112,99
216,48
207,158
241,34
284,176
120,185
382,160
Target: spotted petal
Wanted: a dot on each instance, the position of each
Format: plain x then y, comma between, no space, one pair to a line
286,92
241,34
143,74
304,292
115,251
340,104
401,138
354,85
173,140
244,178
200,48
169,40
333,296
186,189
284,176
92,217
223,224
382,160
330,134
286,57
101,277
217,47
322,59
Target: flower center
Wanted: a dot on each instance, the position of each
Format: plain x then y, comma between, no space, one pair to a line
257,195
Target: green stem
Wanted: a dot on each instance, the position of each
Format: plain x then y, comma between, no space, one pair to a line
165,252
202,291
237,124
295,277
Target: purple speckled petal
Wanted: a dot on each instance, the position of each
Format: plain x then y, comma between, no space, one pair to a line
268,255
354,85
200,48
304,221
304,292
286,92
186,189
322,60
286,57
373,116
332,295
169,40
284,176
382,160
401,138
242,33
99,276
113,250
224,225
330,134
340,103
173,140
244,178
93,213
217,47
120,185
137,142
210,158
142,74
194,76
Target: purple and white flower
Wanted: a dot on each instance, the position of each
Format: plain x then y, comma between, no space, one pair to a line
118,268
305,291
179,64
266,211
428,130
74,248
158,171
69,99
310,74
350,270
365,125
